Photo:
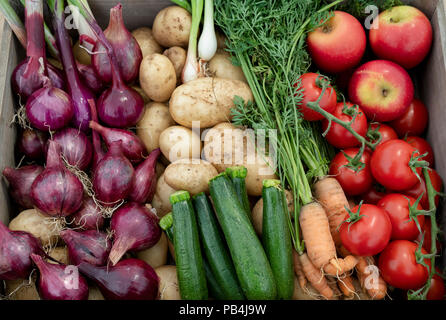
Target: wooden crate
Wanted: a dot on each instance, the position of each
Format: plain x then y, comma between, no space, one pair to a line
430,79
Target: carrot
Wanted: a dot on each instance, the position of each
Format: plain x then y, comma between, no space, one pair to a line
376,287
346,286
315,277
298,270
343,266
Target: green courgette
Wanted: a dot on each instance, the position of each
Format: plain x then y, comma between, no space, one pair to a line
188,258
238,177
215,250
251,263
276,237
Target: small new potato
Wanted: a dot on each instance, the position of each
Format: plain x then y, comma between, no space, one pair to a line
178,142
42,227
155,256
146,40
221,66
157,77
161,200
168,284
190,175
171,27
208,100
156,118
177,56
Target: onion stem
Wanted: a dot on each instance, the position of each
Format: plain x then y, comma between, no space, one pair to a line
14,21
207,45
88,37
191,68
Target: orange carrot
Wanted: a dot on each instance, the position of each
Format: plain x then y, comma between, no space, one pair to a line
315,277
375,285
298,270
343,266
346,286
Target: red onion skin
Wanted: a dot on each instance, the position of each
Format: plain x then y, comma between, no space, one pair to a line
113,176
98,153
130,279
88,217
15,250
49,108
56,191
132,146
76,147
134,228
90,78
20,183
89,246
144,183
125,46
32,143
58,281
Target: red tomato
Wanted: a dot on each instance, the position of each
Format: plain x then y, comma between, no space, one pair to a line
370,234
427,236
422,146
413,121
374,194
437,290
387,133
390,165
311,92
397,206
420,189
399,267
338,136
353,183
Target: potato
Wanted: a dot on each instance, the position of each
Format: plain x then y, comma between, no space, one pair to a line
94,293
168,285
141,93
221,66
190,175
146,41
161,201
178,142
177,56
42,227
257,172
208,100
157,77
81,55
156,118
171,27
27,290
155,256
60,254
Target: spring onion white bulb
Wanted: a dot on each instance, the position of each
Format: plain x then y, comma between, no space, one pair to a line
207,45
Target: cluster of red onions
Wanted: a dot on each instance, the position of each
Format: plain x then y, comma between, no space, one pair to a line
76,142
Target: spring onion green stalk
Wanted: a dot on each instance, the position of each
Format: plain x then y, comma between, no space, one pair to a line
183,4
14,21
87,37
207,45
192,68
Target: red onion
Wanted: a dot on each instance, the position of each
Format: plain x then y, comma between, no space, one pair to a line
98,152
59,281
144,183
89,246
130,279
135,228
132,146
89,217
15,248
76,147
90,78
125,46
32,144
56,191
20,182
113,176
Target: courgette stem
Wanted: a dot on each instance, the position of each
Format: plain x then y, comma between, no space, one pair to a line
238,176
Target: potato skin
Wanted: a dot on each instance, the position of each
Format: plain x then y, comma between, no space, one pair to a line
178,142
208,100
157,77
171,27
155,256
221,66
168,285
155,119
161,201
190,175
146,40
177,56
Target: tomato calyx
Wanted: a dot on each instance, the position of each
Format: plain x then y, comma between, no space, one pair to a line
374,135
353,216
355,163
322,82
414,212
417,162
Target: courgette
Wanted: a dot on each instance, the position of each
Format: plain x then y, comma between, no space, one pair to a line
215,250
188,258
238,177
251,264
276,237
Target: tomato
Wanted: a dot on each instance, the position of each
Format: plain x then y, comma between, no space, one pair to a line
311,92
437,290
399,267
390,165
420,189
370,234
338,136
387,133
422,146
374,194
427,236
413,121
353,183
397,207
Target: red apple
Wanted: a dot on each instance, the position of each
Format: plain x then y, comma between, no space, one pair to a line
383,90
339,44
402,34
